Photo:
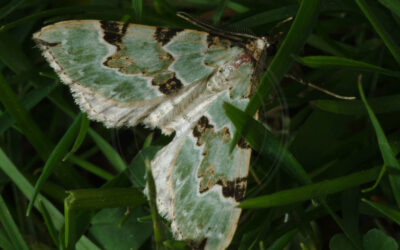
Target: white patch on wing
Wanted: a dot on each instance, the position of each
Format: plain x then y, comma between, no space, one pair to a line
173,107
162,166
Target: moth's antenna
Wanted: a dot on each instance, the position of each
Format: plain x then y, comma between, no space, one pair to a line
321,89
213,29
280,24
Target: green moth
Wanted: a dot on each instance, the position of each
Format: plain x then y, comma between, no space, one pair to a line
177,80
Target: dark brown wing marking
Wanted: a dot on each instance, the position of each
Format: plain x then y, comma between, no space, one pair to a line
169,86
164,35
201,127
114,32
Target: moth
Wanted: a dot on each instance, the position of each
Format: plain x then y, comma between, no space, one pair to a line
176,80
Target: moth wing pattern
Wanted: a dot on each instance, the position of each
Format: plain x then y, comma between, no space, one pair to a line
177,80
200,183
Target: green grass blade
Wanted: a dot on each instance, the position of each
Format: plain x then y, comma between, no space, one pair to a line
138,9
55,157
136,171
239,8
294,41
30,101
10,7
65,11
380,105
93,199
269,16
392,5
323,62
350,213
109,152
261,140
326,45
378,180
10,227
81,136
308,192
49,224
21,116
220,11
158,227
384,26
280,243
390,212
12,55
4,242
387,153
91,168
26,188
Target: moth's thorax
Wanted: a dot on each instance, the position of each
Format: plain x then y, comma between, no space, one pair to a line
224,75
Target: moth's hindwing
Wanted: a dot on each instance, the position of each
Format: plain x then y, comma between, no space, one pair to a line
201,183
177,80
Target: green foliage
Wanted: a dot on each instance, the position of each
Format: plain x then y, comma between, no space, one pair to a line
306,189
373,240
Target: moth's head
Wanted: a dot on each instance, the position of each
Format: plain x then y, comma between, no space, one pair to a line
262,43
270,45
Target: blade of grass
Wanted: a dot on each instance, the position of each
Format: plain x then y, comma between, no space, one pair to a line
328,45
55,157
390,212
137,6
261,140
136,170
81,136
239,8
30,101
391,5
294,41
158,226
16,60
255,135
283,240
380,105
378,180
10,227
21,116
91,168
93,199
27,189
109,152
380,21
10,7
308,192
350,213
388,156
4,242
322,62
269,16
219,11
49,223
11,54
65,11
